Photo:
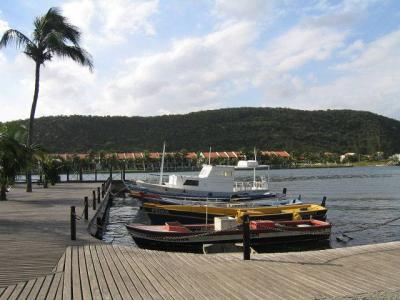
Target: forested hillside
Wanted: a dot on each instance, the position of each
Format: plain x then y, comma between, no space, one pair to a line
224,129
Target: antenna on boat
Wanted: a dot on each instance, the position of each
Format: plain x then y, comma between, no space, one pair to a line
162,164
206,211
209,156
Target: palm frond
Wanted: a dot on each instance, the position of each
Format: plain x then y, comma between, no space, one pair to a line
55,21
12,35
77,54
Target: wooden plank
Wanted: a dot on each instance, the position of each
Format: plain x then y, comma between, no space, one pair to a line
202,279
83,272
18,289
157,278
107,274
126,279
94,286
76,278
119,281
27,289
152,286
104,291
67,277
36,288
2,289
8,292
54,286
175,281
136,281
60,289
45,287
60,264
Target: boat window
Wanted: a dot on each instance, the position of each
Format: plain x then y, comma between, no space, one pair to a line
191,182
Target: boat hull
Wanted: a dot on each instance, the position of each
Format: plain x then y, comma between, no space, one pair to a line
195,242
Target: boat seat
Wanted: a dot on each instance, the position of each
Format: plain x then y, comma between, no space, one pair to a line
176,227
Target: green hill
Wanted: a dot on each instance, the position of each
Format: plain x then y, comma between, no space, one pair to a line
224,129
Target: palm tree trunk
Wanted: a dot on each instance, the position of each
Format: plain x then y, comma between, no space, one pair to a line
3,192
31,119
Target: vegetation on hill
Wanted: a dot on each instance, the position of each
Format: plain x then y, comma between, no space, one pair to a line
295,131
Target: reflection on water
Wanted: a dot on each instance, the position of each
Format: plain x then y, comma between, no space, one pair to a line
357,198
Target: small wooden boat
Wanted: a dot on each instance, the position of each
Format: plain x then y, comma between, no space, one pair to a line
196,214
175,236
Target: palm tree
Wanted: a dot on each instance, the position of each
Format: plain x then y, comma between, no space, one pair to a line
52,36
14,156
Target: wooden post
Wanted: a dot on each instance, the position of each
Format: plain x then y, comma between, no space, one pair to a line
98,194
284,191
80,175
103,190
73,224
323,203
111,172
94,200
123,173
246,237
67,175
95,175
86,209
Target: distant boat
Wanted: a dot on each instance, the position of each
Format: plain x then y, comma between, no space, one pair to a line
247,165
175,236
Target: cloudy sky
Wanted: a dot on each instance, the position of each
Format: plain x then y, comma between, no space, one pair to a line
166,57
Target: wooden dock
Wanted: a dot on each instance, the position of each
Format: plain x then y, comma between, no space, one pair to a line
35,229
39,261
113,272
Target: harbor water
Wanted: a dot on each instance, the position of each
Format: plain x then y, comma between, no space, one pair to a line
359,200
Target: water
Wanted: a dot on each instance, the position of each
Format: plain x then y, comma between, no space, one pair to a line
358,197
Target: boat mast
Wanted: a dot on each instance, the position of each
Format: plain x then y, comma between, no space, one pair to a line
162,164
254,169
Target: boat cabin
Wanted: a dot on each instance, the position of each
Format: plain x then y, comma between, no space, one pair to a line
211,178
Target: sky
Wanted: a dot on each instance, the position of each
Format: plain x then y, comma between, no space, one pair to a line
177,56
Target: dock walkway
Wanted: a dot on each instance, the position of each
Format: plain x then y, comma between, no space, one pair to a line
35,229
115,272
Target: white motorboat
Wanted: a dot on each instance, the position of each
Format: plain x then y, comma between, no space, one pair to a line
212,181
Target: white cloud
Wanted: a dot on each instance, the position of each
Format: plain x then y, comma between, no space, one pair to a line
369,82
3,26
245,10
194,73
111,22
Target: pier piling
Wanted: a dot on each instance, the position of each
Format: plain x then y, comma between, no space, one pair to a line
98,194
86,209
73,223
94,199
246,237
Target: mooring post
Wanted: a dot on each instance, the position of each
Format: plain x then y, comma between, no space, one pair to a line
323,203
73,224
94,200
111,171
80,175
103,190
95,175
98,194
86,209
67,175
246,237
